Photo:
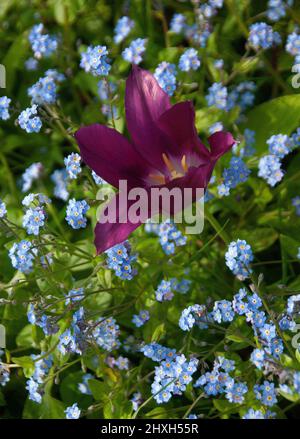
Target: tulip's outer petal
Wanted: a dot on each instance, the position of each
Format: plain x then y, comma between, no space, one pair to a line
111,155
108,235
144,95
220,142
179,124
145,101
118,227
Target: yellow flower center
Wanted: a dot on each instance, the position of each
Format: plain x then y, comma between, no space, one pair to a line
176,170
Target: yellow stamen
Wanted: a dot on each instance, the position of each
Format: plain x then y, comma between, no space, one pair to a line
168,163
160,179
184,164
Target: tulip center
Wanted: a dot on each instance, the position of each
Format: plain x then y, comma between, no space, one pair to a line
176,169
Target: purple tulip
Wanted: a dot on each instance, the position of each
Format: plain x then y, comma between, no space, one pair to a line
164,151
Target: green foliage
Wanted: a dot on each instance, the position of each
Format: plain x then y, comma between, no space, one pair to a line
278,115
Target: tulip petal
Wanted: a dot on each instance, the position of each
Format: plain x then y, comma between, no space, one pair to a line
220,142
114,231
179,124
145,101
145,94
196,178
111,155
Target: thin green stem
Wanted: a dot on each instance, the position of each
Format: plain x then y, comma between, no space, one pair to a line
217,227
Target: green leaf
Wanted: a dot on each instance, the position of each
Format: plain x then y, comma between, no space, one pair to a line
108,408
238,331
280,115
86,82
31,410
5,5
158,332
117,407
98,388
222,405
168,54
50,408
15,58
259,238
294,397
14,311
289,245
65,11
69,390
289,362
235,337
25,337
158,413
206,117
26,363
245,65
